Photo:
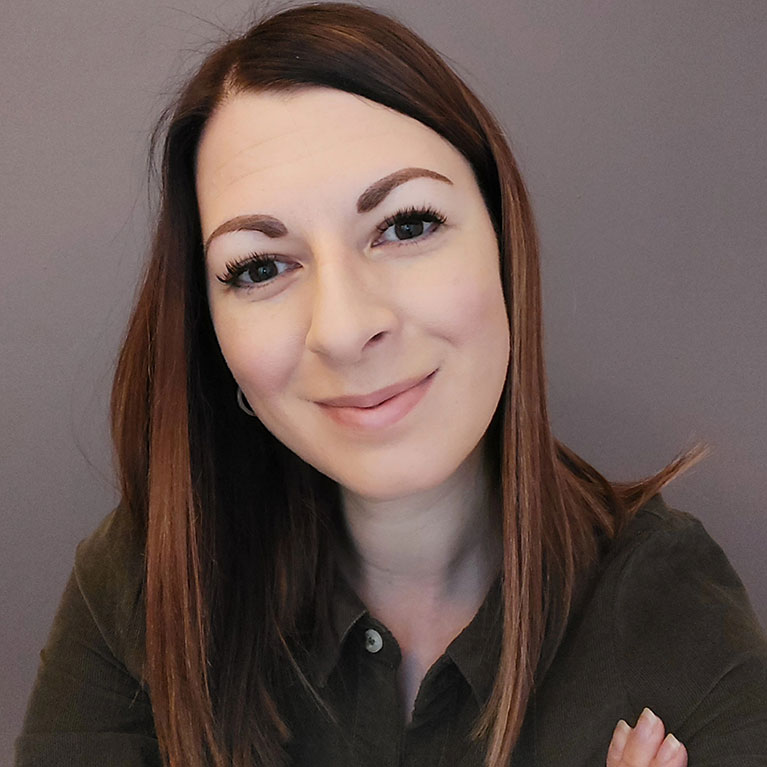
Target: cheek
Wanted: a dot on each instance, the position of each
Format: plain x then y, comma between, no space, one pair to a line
260,351
464,301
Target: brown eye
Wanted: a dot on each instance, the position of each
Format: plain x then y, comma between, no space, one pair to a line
411,224
255,271
260,271
408,229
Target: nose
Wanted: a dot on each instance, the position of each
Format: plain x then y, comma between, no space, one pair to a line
350,309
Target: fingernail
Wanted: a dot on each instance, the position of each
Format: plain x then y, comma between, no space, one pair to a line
646,724
668,749
618,742
622,730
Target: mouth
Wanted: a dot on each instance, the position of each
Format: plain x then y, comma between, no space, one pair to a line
385,412
377,397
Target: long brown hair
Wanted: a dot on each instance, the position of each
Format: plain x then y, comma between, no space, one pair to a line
217,653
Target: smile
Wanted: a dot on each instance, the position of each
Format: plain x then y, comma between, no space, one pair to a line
387,413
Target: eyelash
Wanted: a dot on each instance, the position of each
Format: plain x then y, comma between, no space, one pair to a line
235,269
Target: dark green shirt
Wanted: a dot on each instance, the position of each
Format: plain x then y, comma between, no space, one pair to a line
666,624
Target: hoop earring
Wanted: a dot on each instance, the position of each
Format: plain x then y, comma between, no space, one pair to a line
242,402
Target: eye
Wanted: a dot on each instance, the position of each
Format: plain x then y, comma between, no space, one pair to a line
409,224
258,270
254,271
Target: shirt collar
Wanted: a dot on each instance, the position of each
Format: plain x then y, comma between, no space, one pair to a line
346,610
475,651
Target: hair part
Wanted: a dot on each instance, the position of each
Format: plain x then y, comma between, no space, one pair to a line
217,655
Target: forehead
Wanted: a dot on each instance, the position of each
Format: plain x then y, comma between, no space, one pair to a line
290,144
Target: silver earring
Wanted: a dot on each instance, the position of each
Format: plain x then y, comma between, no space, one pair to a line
242,402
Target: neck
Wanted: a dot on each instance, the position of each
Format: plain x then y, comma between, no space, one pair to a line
435,548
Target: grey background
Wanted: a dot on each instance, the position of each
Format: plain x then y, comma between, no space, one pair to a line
640,128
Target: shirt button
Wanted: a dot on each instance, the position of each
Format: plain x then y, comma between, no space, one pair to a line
373,641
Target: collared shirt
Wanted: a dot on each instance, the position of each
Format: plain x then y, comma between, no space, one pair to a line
356,669
666,623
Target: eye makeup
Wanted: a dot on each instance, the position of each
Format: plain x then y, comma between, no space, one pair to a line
253,265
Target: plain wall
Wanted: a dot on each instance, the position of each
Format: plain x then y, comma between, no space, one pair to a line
640,129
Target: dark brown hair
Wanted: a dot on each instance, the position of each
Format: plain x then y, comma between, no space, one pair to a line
217,654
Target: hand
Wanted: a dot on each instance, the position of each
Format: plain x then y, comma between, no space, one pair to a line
644,745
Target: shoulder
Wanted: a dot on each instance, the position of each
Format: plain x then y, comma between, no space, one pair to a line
109,572
682,622
89,704
665,623
666,558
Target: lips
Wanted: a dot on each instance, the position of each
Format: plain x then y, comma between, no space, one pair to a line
376,397
377,420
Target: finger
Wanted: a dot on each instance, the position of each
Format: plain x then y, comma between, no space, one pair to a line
618,743
671,753
644,741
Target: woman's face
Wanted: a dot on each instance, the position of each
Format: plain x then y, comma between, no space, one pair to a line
350,304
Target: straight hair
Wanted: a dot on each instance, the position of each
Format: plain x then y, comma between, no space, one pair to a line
218,655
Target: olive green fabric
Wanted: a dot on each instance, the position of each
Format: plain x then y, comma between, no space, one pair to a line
666,623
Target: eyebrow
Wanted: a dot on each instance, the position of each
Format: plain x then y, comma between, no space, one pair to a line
369,199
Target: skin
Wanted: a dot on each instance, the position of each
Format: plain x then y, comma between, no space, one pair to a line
645,745
349,309
353,310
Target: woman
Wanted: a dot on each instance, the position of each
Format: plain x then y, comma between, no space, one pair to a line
347,534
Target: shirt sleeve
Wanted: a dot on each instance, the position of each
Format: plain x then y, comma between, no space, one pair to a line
689,646
87,708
